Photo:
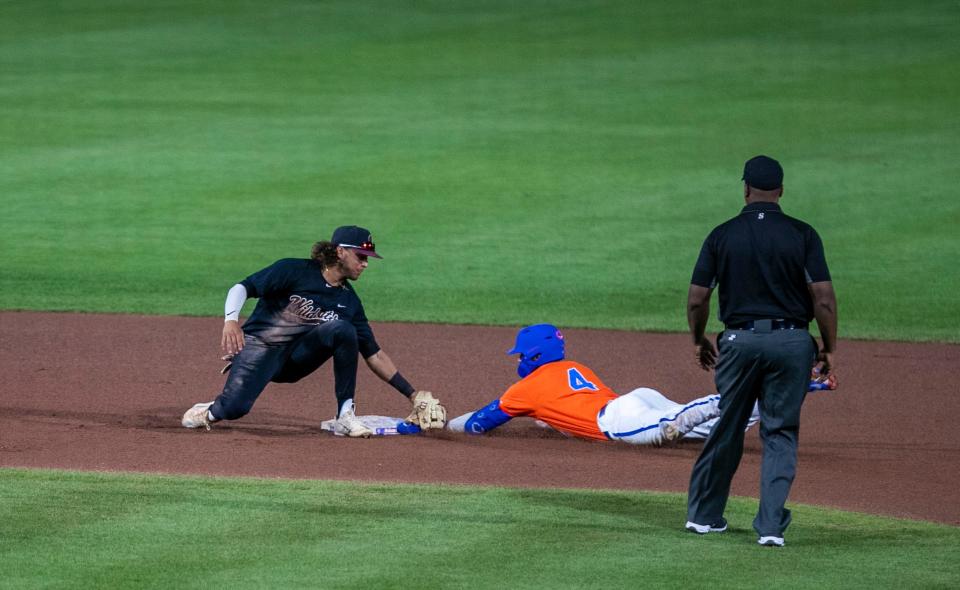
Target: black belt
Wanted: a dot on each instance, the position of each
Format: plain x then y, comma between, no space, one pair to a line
774,325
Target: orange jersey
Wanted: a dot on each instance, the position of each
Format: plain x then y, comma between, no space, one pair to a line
564,394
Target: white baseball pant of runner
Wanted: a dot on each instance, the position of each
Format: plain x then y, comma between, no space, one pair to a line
702,431
636,417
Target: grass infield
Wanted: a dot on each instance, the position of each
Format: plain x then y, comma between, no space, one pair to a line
554,160
84,530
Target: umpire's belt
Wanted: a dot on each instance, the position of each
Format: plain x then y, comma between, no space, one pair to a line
765,325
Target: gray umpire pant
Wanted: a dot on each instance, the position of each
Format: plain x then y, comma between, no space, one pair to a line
772,367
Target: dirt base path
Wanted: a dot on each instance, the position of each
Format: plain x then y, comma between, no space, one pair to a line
106,392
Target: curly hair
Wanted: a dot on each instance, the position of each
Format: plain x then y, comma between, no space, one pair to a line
325,253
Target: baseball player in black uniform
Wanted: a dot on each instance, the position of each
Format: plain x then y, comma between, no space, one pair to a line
307,313
773,279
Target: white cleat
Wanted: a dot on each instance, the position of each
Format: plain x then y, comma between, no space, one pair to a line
703,529
349,425
771,541
196,416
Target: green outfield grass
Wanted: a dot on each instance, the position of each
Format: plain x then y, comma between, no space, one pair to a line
517,162
86,530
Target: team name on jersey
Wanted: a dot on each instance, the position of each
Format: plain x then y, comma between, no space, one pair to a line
306,310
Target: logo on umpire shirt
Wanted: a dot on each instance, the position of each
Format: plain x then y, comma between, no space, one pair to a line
306,310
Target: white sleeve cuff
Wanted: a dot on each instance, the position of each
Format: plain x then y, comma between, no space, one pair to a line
458,424
236,297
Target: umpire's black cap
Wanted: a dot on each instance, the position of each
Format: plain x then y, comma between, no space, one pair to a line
356,237
763,172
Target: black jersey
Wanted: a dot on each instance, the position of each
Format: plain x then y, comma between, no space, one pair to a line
762,260
294,297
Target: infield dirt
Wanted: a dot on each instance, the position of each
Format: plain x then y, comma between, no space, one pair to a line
106,392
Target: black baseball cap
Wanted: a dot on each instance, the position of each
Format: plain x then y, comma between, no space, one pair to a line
356,237
763,172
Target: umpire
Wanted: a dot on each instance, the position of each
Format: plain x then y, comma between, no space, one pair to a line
773,279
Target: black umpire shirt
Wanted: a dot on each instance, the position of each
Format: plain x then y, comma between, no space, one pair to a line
762,261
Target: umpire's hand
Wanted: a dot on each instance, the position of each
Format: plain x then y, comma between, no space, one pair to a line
706,354
825,364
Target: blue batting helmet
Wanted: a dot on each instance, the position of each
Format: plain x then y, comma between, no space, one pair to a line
537,345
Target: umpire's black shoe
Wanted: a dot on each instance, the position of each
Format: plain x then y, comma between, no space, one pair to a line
703,529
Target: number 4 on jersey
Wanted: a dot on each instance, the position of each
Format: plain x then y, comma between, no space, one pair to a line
578,381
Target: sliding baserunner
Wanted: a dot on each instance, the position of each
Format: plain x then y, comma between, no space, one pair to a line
569,397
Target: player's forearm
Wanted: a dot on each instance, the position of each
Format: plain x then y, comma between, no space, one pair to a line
458,423
383,367
483,420
236,297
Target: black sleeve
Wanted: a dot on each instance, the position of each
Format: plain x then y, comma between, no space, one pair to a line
275,278
705,270
366,342
815,262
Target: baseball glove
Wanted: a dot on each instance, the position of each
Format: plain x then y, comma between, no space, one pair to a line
427,412
820,382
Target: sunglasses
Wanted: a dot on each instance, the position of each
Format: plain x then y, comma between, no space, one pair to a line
364,246
368,246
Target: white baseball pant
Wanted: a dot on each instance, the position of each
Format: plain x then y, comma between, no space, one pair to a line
637,417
